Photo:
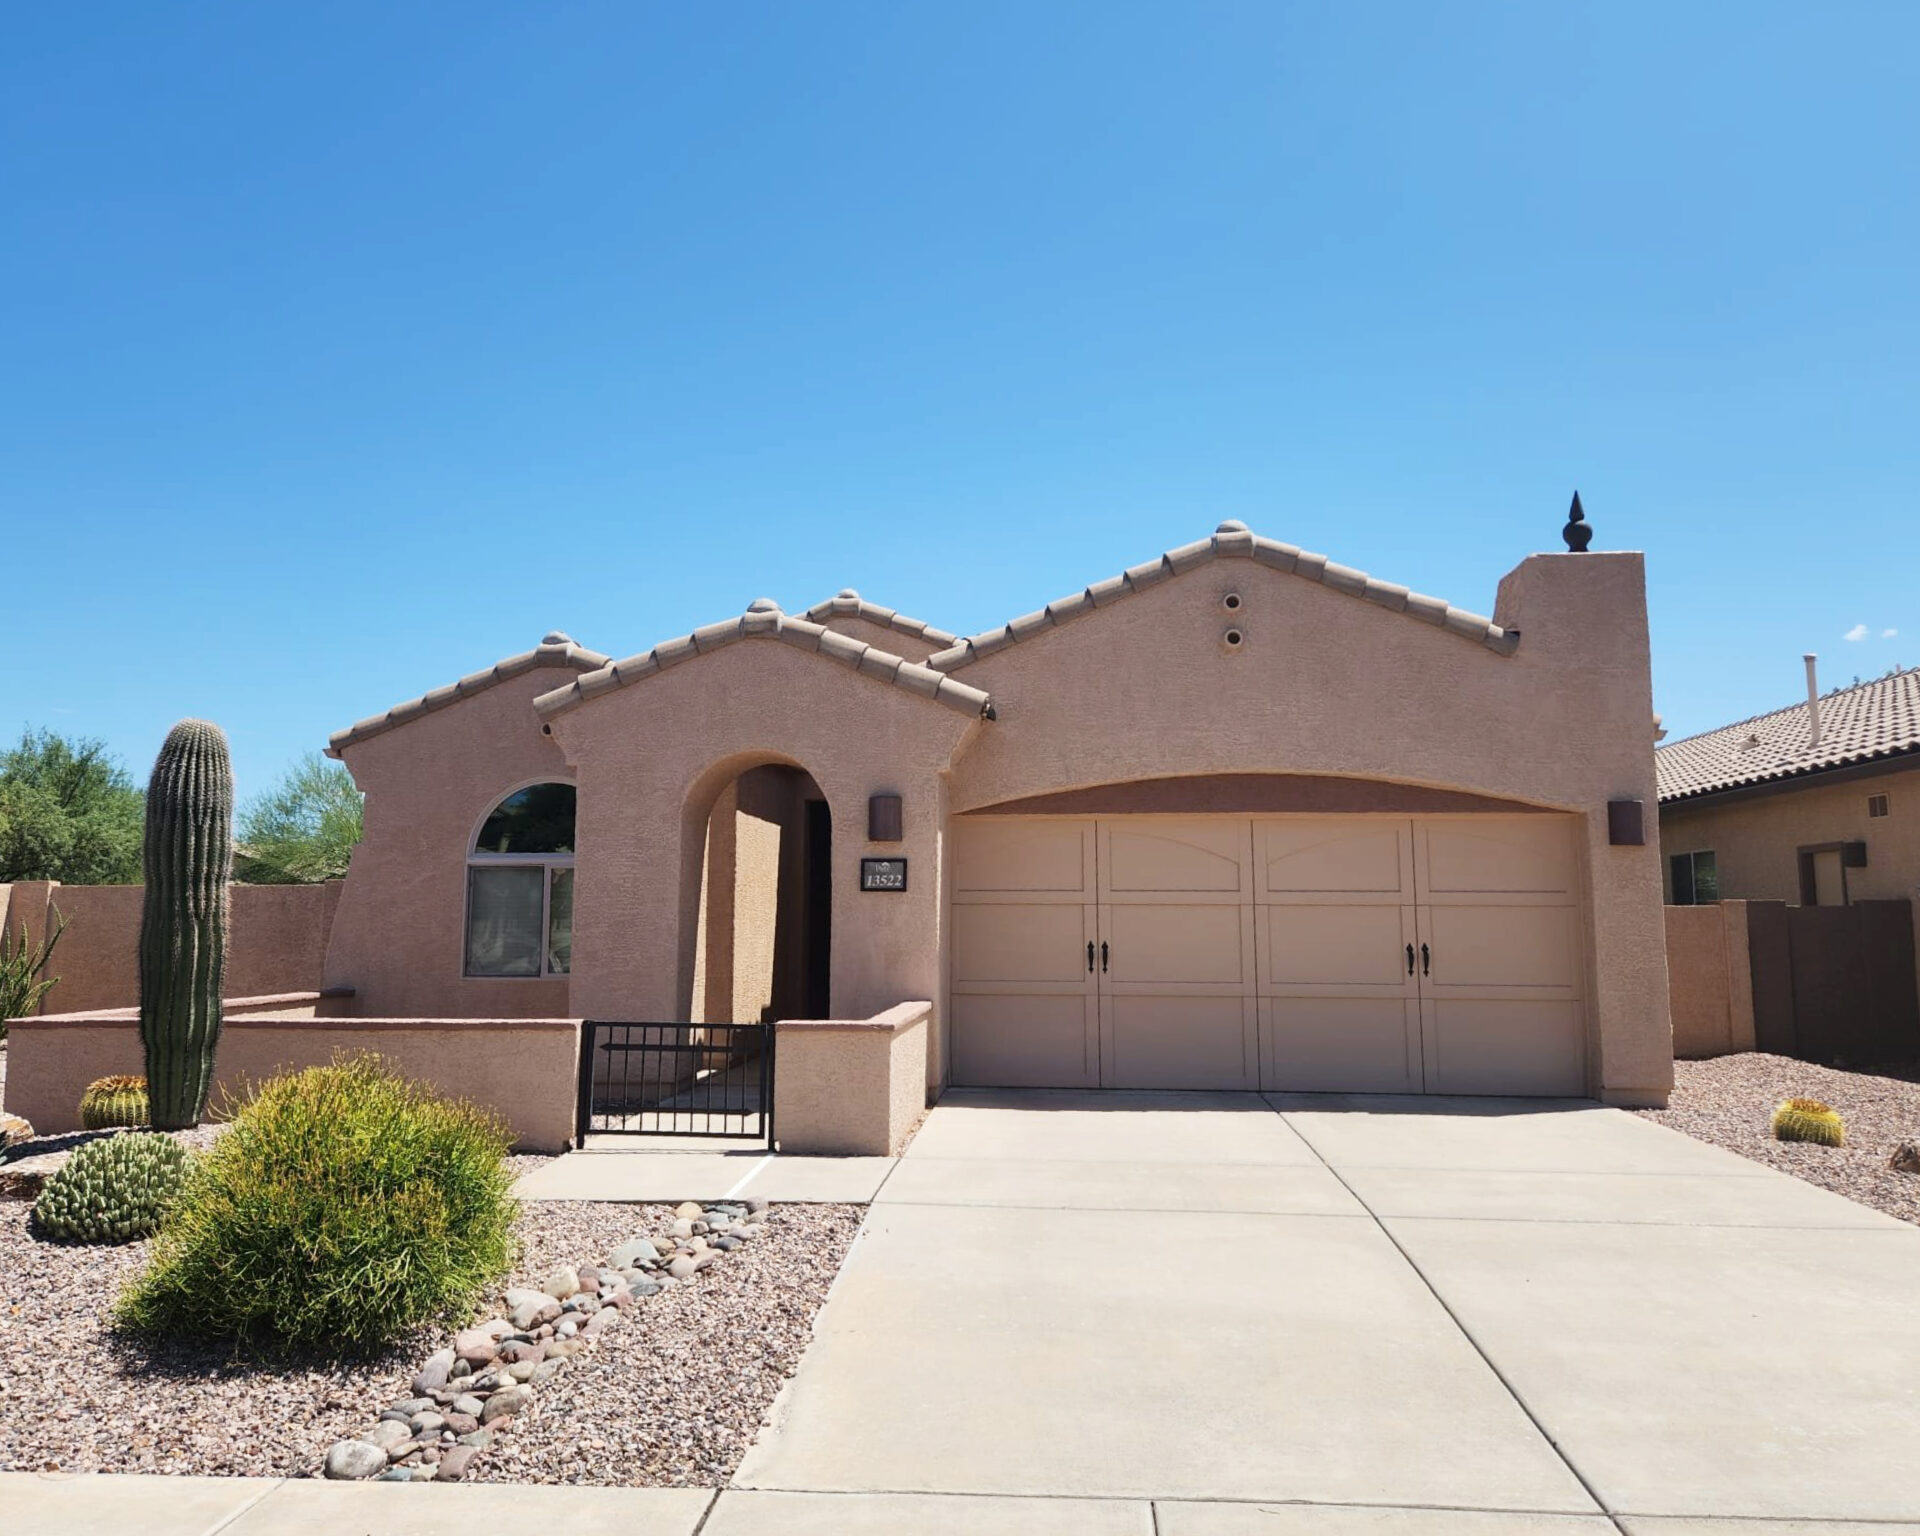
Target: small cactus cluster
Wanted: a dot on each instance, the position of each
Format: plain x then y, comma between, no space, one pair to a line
112,1191
114,1101
1809,1120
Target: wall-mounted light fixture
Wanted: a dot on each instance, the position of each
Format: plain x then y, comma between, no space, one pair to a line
884,820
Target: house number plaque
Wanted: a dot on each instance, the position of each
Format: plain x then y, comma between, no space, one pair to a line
883,874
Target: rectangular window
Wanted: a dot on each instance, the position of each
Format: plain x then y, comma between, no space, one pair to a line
1877,805
1696,879
505,907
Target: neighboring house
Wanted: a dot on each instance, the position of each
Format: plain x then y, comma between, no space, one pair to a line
1817,804
1237,818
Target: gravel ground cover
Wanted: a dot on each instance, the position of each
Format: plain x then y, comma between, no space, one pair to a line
672,1399
1729,1100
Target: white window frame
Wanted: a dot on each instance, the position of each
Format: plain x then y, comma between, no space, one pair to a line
550,862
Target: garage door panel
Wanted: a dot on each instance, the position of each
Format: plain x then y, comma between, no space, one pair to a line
1501,949
1330,950
1007,943
1179,1042
1330,859
1476,857
1494,1046
1025,1041
1013,857
1340,1045
1200,861
1159,946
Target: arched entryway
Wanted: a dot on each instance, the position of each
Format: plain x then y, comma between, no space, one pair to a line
764,914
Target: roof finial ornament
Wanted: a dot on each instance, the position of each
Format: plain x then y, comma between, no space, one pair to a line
1578,533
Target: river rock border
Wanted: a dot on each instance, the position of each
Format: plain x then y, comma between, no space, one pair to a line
470,1391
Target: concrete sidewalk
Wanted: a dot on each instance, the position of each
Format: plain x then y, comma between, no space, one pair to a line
660,1175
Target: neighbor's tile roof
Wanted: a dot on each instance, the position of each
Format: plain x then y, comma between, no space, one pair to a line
1233,540
850,604
1880,718
556,650
764,620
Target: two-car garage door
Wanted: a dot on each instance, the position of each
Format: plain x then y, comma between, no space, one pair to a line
1314,953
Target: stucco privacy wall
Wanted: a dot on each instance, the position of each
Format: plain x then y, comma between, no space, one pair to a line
524,1069
851,1087
399,937
651,759
1327,684
278,941
1710,979
1756,838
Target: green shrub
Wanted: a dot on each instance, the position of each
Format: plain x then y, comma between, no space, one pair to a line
343,1208
114,1101
112,1191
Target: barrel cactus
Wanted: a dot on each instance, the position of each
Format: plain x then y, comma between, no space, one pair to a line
183,922
114,1101
112,1191
1809,1120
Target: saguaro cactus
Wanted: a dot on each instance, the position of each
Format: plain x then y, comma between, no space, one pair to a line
183,921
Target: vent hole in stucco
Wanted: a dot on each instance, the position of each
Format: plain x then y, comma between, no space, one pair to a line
1231,602
1233,639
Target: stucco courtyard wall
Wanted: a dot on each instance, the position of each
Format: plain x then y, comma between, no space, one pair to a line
1710,979
524,1069
278,941
1326,684
399,937
851,1087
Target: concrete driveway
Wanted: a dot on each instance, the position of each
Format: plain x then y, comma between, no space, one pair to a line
1210,1314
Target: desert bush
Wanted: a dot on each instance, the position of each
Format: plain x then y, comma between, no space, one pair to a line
1809,1120
112,1191
114,1101
344,1207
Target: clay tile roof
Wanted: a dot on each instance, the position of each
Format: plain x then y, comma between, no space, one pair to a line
765,621
1875,719
850,604
554,650
1232,540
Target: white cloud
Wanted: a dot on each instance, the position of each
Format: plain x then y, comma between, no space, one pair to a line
1858,632
1888,634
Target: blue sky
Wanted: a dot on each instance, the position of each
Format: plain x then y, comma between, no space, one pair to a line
349,348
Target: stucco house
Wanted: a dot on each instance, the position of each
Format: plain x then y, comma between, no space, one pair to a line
1238,817
1817,804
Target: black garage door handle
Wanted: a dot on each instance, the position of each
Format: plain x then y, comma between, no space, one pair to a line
1426,961
1409,959
1090,957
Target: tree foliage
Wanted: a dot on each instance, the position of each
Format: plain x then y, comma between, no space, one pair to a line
68,812
302,830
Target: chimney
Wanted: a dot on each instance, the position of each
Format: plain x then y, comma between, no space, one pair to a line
1813,697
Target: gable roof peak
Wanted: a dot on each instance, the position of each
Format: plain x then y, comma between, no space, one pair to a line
1232,539
849,604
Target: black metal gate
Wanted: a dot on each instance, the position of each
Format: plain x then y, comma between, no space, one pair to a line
676,1080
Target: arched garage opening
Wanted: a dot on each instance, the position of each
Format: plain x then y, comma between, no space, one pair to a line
763,935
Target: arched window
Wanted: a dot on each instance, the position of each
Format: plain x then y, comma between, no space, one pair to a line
520,886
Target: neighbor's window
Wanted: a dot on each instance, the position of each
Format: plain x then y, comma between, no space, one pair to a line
520,886
1876,805
1696,881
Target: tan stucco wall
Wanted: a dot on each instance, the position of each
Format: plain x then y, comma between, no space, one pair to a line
652,758
525,1069
1327,684
1756,842
1710,979
278,941
399,937
851,1088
